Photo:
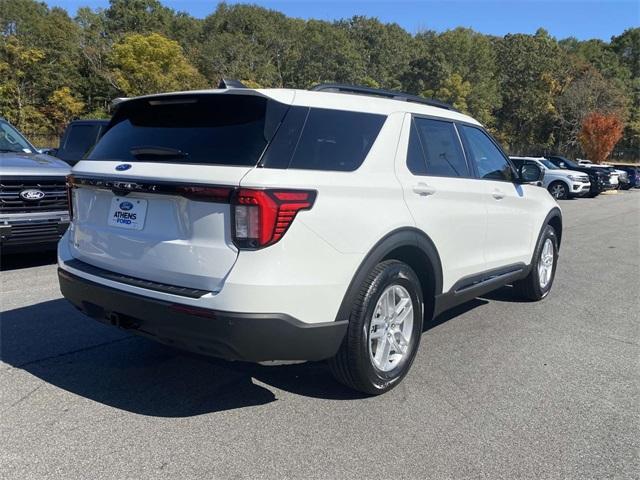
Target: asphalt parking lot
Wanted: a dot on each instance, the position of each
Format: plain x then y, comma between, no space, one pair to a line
499,389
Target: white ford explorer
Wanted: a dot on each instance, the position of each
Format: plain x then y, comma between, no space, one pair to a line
562,184
300,225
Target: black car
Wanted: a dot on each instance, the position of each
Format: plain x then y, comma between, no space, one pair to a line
78,138
599,178
634,176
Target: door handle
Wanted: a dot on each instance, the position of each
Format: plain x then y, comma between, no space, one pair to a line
423,189
498,194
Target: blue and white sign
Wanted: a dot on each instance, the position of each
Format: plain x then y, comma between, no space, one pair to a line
127,213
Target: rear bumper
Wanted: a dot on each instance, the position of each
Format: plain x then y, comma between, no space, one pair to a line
230,335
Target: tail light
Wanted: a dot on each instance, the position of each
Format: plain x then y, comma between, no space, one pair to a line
262,217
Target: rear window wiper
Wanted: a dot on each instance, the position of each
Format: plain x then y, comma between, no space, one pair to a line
151,152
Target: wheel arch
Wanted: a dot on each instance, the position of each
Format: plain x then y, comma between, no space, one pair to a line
411,246
563,182
553,218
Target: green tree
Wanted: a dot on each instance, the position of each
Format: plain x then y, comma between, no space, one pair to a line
137,16
530,69
144,64
458,66
250,43
453,90
386,49
627,47
327,54
18,90
63,107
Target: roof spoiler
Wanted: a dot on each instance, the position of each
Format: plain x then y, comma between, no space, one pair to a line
231,83
116,101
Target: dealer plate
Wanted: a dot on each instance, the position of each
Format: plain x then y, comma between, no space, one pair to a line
127,213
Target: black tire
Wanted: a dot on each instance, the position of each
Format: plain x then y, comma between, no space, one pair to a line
593,194
558,190
352,365
530,288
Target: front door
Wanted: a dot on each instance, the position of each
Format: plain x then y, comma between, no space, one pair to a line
509,220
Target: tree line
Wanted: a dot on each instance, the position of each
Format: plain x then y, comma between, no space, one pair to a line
533,92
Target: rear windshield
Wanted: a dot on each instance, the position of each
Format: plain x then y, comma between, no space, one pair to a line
208,129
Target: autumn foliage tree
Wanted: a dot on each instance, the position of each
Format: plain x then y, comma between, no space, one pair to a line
599,134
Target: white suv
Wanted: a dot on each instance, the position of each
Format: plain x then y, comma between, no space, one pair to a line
561,183
300,225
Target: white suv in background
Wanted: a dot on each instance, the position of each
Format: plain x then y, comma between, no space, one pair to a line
300,225
562,184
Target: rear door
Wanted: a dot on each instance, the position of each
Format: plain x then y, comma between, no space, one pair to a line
445,201
152,200
509,209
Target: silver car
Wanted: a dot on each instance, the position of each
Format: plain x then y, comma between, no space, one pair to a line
33,200
561,183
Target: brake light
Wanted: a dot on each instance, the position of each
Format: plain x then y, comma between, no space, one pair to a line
205,193
262,217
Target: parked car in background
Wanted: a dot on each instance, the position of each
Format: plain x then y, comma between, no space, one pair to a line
561,184
77,139
633,174
33,199
599,179
614,176
623,179
280,224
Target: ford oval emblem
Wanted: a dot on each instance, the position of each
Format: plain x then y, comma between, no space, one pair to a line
123,166
126,206
32,194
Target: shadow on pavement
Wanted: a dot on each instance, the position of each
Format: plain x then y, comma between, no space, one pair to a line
16,261
54,342
57,344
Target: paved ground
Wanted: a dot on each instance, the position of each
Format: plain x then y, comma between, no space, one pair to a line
500,389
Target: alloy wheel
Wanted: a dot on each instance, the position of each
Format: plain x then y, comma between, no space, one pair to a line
391,328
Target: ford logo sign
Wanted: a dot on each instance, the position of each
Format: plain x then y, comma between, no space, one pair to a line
126,206
32,194
123,166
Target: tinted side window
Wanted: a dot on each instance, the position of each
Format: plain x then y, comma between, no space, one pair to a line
79,140
335,140
443,155
488,159
415,155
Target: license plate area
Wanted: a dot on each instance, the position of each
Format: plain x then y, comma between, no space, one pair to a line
128,213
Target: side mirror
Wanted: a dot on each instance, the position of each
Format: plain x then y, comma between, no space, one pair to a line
530,173
49,151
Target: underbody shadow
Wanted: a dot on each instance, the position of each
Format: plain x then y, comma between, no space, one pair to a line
56,343
504,294
14,261
59,345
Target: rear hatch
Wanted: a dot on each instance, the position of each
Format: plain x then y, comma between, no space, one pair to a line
152,199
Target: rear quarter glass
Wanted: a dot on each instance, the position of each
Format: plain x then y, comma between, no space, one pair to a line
323,139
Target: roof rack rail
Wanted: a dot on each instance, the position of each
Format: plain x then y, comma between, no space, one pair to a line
378,92
231,83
